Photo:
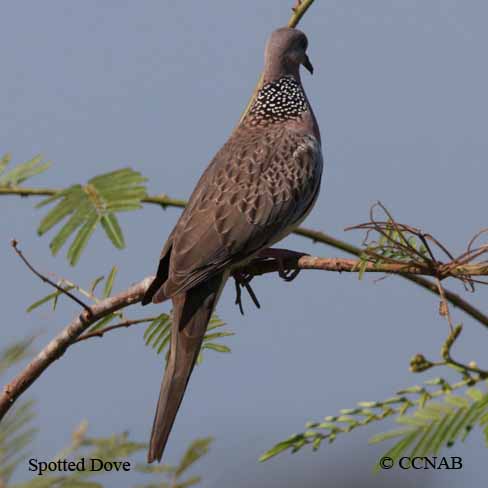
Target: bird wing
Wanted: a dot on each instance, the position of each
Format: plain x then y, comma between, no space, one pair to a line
256,189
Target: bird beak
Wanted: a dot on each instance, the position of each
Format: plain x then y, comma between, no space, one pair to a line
307,64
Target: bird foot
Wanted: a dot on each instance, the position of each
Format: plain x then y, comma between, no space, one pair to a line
242,280
282,256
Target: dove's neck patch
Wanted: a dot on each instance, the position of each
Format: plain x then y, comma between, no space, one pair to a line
278,101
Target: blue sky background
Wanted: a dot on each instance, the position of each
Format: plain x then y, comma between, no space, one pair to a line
400,93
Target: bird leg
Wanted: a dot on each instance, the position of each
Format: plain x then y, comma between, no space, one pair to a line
242,279
281,256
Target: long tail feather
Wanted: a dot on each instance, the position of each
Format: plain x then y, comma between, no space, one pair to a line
191,313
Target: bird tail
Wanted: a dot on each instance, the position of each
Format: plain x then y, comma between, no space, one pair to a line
192,310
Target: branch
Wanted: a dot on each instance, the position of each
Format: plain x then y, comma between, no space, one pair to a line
45,279
73,332
162,200
340,265
58,346
299,11
120,325
314,235
455,299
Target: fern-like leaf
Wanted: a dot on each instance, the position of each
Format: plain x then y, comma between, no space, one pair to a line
158,335
437,425
21,172
427,424
15,431
88,206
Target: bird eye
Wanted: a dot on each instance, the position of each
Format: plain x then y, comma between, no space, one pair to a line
303,43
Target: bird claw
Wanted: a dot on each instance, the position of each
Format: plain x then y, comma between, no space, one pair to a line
287,275
281,256
242,280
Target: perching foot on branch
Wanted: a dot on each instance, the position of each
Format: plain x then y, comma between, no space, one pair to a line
282,256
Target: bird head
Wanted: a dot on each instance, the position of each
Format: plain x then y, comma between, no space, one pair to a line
285,52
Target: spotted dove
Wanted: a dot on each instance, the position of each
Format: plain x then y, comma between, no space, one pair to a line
260,185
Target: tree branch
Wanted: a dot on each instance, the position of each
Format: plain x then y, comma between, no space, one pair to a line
314,235
124,324
259,267
455,299
73,331
57,346
45,279
162,200
299,11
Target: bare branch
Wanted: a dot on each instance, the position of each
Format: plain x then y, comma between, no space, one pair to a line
124,324
299,10
44,278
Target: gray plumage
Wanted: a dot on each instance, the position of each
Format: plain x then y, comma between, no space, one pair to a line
257,189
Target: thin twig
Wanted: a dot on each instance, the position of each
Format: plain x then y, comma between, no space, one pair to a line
45,279
120,325
299,10
449,361
444,305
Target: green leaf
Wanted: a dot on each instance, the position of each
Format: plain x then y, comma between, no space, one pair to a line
281,446
107,290
47,298
400,447
102,323
475,394
15,437
189,482
82,237
216,347
4,161
112,228
457,401
422,446
197,449
95,283
73,198
217,335
438,438
15,352
385,436
433,424
76,219
92,204
22,171
158,335
158,332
